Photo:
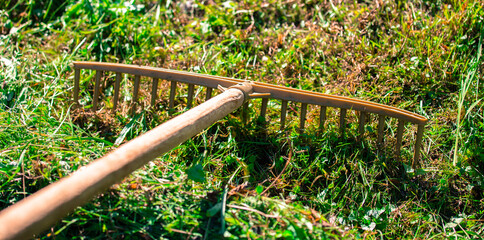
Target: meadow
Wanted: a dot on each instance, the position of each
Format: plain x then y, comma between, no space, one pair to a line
240,180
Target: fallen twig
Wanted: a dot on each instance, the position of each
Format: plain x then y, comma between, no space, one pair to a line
252,210
280,174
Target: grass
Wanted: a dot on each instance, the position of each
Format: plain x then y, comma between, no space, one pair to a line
465,86
253,181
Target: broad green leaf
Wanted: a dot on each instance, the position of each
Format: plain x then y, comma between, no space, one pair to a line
214,210
196,173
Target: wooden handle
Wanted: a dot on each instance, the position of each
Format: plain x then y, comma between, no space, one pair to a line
44,208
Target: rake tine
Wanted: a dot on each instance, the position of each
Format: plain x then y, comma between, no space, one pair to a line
116,90
302,119
263,108
381,125
191,88
77,76
361,124
209,93
418,144
398,145
342,121
322,117
135,94
96,89
245,112
283,113
154,90
172,94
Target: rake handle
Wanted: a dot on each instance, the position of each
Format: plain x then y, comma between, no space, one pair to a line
44,208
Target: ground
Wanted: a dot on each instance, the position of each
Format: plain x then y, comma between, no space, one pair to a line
238,180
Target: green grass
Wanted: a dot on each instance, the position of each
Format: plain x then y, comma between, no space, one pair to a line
253,181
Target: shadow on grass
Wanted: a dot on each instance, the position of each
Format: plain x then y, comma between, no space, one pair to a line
344,178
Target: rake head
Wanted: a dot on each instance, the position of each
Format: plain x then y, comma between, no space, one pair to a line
264,91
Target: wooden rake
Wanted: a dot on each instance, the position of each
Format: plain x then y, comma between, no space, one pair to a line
44,208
